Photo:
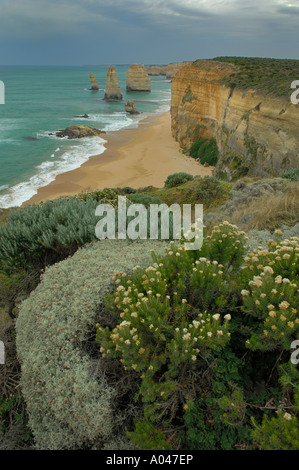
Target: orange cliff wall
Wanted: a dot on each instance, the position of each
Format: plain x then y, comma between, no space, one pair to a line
256,135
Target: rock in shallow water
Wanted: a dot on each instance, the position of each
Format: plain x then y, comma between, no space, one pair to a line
130,107
78,132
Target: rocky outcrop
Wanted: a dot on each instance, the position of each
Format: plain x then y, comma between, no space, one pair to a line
113,91
130,107
138,79
256,135
82,116
168,70
93,83
78,132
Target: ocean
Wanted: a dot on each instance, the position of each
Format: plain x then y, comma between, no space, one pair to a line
39,100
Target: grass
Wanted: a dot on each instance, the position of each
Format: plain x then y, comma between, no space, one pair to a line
271,212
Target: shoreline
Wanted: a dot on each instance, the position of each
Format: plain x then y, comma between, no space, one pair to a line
136,157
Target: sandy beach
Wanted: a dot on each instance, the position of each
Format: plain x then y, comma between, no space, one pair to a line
134,157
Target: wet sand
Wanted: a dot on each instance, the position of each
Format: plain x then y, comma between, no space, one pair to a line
134,157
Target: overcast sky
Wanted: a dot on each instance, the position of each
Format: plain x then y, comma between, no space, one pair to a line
79,32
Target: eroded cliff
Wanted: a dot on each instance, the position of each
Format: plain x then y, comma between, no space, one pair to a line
168,70
256,134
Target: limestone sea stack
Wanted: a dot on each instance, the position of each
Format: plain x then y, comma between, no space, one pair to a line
130,107
138,79
113,91
93,83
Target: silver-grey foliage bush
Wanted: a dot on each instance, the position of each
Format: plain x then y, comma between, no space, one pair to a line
68,406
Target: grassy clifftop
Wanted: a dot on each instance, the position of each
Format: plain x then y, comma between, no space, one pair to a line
268,76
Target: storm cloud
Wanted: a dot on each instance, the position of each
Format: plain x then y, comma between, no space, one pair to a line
149,31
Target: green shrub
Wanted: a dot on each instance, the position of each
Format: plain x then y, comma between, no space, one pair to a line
271,294
282,431
147,437
38,235
171,316
69,401
205,150
176,179
125,190
190,332
14,288
209,191
14,432
279,433
144,199
105,196
292,174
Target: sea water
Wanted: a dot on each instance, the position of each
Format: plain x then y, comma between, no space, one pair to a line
40,100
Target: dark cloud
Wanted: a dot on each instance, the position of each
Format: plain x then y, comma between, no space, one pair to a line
289,10
127,29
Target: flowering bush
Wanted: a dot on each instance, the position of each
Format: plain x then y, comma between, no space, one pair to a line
272,295
159,332
174,322
282,430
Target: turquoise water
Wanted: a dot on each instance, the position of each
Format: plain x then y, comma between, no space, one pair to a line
42,100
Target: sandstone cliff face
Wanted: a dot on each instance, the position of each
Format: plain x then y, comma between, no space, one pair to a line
138,79
256,135
93,83
168,70
113,91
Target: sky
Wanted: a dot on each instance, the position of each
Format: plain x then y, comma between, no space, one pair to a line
95,32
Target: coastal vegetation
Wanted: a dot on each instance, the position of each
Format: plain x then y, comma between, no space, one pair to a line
177,179
163,348
205,150
268,76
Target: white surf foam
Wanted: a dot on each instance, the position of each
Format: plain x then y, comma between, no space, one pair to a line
72,158
108,122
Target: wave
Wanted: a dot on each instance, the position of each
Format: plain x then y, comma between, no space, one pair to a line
69,154
109,122
47,171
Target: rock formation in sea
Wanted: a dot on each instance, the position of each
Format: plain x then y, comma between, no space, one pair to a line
256,133
138,79
130,107
78,132
93,83
82,116
113,91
